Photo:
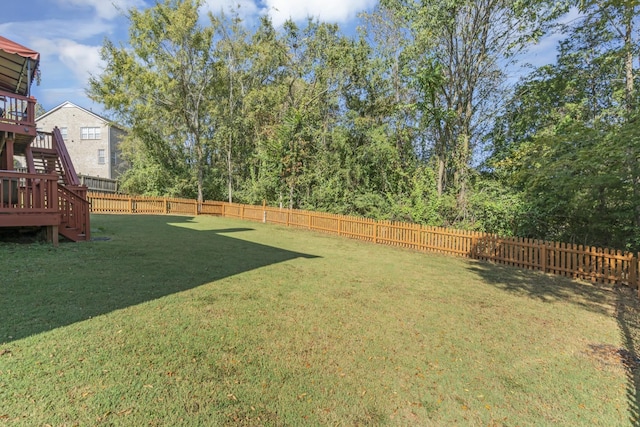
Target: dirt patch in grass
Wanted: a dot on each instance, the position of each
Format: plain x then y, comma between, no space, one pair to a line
609,356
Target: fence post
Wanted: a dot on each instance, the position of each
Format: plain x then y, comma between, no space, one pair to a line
264,211
166,206
375,232
635,268
474,245
130,205
543,257
633,273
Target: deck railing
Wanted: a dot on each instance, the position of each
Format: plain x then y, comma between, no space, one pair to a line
28,193
17,113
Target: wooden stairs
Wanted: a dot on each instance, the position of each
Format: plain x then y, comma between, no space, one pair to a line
49,194
47,154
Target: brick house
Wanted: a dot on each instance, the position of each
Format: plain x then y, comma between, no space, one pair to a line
92,140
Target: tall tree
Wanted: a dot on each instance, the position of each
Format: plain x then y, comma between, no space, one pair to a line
570,144
456,52
618,16
301,90
233,49
162,85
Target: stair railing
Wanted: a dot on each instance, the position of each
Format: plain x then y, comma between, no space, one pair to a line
74,211
70,175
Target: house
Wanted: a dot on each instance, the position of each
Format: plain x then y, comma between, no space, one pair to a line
92,140
48,194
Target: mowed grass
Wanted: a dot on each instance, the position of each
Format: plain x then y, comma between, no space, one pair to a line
208,321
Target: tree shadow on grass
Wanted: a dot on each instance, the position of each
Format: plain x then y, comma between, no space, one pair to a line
547,288
145,258
619,301
628,317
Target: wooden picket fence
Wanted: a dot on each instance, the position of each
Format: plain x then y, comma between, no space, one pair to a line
598,265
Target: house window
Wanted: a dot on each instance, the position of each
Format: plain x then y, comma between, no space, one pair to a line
101,157
63,132
114,158
90,133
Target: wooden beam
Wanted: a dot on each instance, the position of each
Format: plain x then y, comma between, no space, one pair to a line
6,155
29,220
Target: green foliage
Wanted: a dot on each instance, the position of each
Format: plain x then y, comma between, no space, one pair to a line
388,123
495,208
162,86
422,205
569,143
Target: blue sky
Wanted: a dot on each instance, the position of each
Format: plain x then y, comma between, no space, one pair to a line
69,33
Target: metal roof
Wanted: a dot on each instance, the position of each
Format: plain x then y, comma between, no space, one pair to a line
18,67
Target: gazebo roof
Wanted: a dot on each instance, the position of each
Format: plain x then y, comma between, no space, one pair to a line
18,67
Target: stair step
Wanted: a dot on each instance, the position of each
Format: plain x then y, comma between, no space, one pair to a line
44,151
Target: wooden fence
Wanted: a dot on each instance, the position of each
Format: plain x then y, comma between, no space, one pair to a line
599,265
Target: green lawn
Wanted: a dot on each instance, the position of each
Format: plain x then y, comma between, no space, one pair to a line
208,321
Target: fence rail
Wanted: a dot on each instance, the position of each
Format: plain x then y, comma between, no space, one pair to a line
593,264
98,184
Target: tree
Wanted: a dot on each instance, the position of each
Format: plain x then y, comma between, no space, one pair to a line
234,49
164,84
618,18
295,108
568,142
455,54
39,109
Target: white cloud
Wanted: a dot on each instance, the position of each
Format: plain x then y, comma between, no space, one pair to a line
338,11
56,28
325,10
82,60
246,9
105,9
70,57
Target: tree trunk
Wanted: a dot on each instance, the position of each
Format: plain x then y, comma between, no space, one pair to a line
199,170
291,193
230,172
628,66
441,174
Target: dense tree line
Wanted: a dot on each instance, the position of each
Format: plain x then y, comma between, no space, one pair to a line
410,119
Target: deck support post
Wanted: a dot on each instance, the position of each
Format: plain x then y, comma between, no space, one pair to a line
52,235
6,157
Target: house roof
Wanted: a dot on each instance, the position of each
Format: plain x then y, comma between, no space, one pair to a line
71,104
18,67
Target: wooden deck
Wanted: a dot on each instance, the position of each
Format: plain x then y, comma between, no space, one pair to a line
49,194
